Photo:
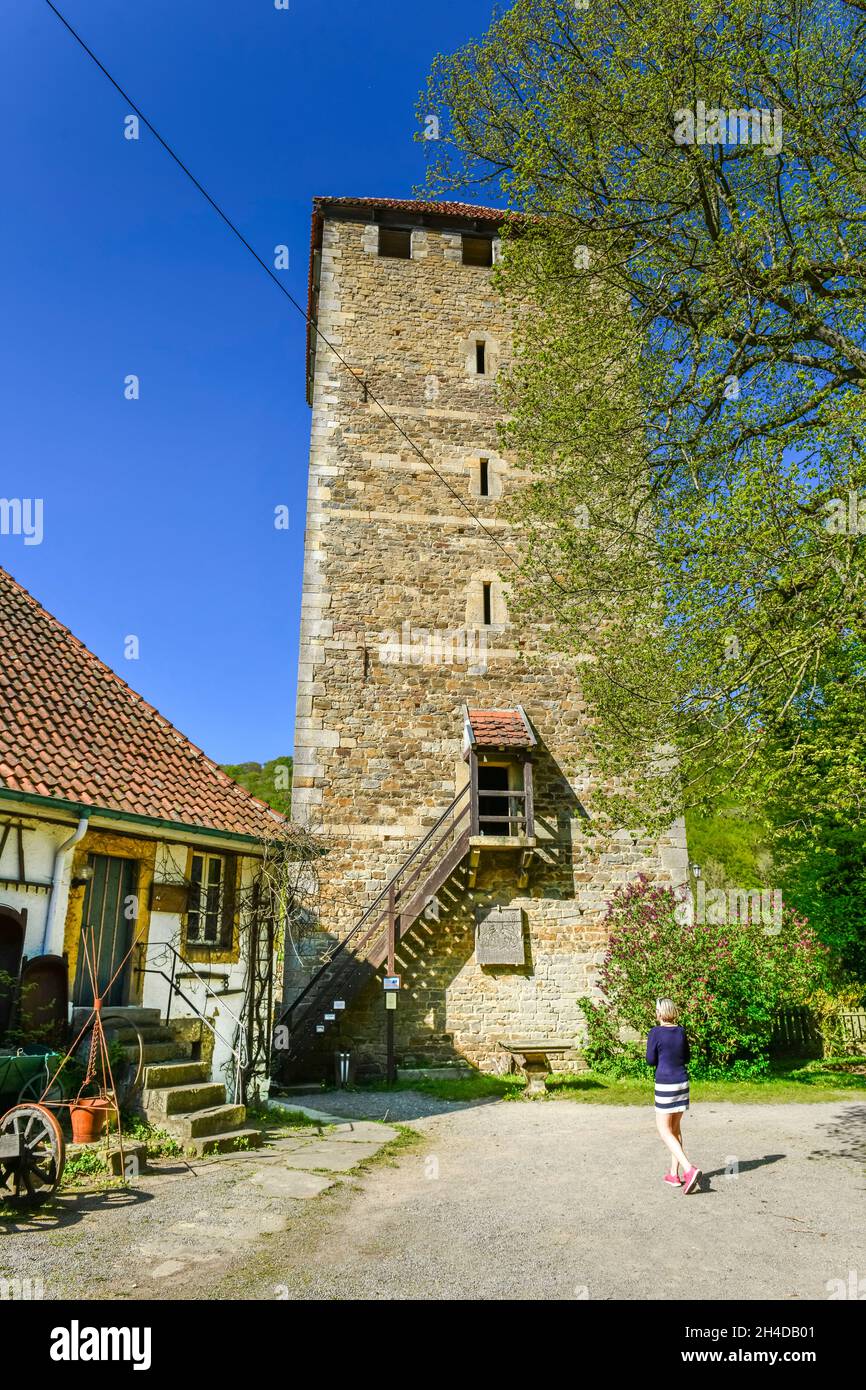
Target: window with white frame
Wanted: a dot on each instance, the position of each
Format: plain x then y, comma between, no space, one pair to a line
204,922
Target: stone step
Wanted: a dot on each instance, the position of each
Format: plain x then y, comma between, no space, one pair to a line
197,1124
161,1052
174,1072
131,1013
132,1161
229,1142
153,1033
177,1100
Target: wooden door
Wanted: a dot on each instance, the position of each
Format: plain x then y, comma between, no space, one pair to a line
108,918
11,951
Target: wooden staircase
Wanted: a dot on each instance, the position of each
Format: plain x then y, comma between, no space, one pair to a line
360,955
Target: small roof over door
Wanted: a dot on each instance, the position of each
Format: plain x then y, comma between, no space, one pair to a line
497,728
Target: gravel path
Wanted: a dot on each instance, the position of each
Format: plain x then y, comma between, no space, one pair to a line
561,1201
550,1200
182,1222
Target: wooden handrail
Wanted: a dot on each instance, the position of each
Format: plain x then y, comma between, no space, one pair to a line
391,892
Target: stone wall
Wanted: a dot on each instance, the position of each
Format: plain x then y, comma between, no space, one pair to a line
392,555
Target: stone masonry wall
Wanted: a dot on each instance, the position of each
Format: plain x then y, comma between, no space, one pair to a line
390,552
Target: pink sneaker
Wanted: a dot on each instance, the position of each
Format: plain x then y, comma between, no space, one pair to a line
690,1181
672,1180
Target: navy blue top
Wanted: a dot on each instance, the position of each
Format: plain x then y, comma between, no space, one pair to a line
667,1049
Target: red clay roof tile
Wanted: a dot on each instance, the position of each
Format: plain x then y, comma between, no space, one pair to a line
500,728
72,729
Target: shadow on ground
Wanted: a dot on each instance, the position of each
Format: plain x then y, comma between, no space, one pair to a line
846,1135
68,1209
743,1166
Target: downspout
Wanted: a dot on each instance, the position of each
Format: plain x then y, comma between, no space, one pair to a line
60,860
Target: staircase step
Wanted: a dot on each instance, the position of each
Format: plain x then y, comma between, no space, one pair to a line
229,1142
150,1033
176,1072
177,1100
131,1013
217,1119
161,1052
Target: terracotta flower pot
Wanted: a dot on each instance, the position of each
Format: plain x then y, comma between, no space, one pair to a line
88,1118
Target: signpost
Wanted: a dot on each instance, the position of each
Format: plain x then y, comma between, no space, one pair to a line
392,985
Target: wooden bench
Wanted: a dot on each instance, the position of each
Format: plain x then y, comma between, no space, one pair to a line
531,1056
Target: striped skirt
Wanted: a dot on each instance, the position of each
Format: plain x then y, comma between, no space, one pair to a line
672,1096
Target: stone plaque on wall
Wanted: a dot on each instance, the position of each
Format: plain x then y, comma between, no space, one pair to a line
499,936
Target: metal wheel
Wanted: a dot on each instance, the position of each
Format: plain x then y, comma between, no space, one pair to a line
32,1154
33,1090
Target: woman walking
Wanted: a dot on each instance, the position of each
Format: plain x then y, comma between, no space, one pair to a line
667,1050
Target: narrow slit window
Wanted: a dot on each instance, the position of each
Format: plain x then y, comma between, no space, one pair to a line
477,250
487,603
395,242
484,478
481,357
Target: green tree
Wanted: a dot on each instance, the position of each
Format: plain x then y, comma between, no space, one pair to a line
690,354
731,845
271,781
817,772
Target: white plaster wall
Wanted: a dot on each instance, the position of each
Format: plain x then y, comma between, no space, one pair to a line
40,845
41,841
167,927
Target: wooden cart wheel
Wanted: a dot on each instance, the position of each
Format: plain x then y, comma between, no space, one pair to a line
33,1178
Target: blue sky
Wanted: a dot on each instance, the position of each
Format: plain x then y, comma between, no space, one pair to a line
158,512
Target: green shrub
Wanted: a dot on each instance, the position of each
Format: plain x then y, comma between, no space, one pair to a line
602,1046
159,1143
86,1164
729,980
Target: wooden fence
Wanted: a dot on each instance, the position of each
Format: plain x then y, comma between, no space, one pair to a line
797,1032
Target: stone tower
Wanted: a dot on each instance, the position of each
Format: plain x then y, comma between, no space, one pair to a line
416,681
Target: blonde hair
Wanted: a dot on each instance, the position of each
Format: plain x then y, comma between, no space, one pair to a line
666,1011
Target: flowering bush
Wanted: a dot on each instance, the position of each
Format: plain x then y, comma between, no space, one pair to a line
729,980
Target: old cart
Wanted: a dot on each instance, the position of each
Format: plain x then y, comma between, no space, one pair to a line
31,1142
32,1154
32,1149
28,1073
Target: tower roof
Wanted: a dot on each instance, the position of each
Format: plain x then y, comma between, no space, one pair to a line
73,730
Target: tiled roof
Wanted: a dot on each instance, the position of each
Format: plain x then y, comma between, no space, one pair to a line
460,212
72,729
416,205
500,728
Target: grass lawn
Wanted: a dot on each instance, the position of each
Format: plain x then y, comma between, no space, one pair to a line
787,1081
